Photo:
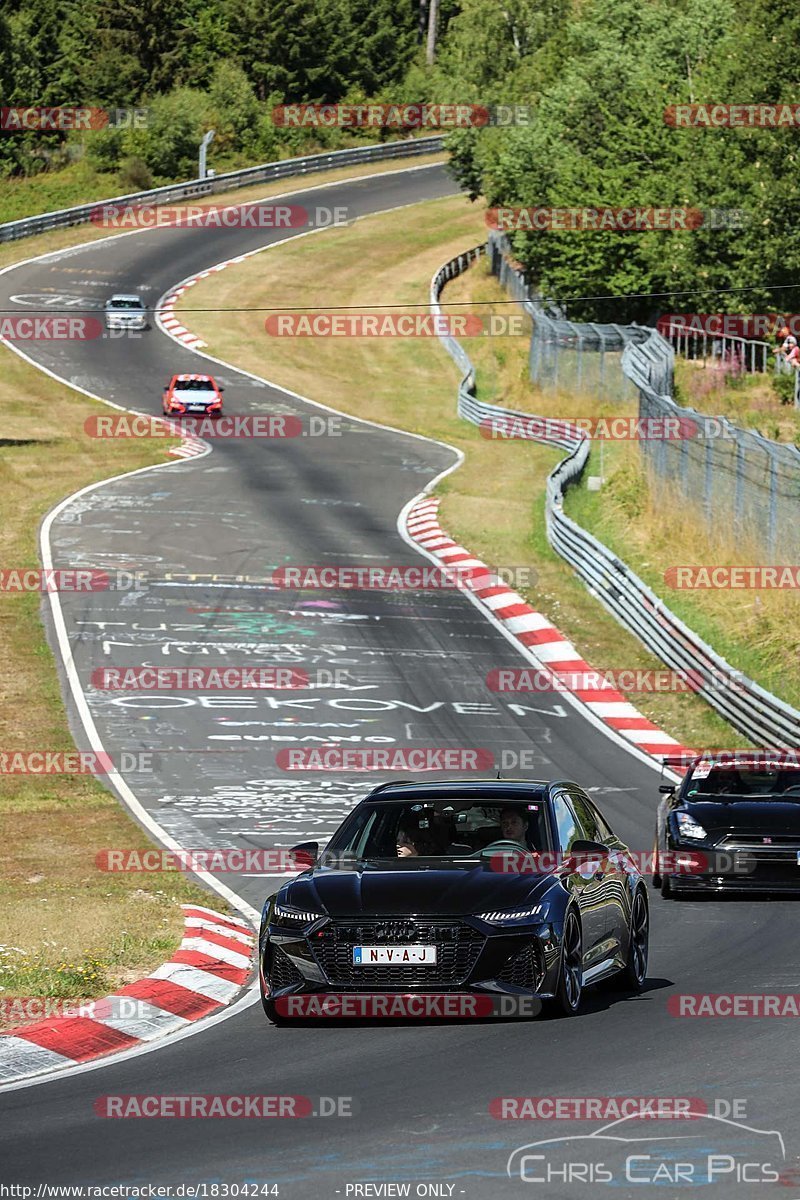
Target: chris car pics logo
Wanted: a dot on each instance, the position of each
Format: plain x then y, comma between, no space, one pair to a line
637,1149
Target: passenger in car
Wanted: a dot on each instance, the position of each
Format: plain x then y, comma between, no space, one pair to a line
414,842
406,846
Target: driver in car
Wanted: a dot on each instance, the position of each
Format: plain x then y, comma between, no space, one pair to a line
513,826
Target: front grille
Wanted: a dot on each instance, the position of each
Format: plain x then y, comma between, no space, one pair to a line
282,971
525,968
787,844
457,950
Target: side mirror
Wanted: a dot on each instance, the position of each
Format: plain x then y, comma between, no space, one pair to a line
590,849
584,854
220,390
305,855
666,788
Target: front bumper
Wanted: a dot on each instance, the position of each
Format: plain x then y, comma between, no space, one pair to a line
731,866
126,323
195,414
471,957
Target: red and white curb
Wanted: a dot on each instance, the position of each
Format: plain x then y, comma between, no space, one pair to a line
539,636
189,448
170,322
166,316
207,972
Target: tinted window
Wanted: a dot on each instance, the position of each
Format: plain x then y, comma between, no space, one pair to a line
194,385
450,829
750,781
590,819
569,830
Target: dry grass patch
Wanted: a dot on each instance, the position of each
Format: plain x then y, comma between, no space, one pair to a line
651,525
747,400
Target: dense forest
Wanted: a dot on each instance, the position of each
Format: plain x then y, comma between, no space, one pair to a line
597,77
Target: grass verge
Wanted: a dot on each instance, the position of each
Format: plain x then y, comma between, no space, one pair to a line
749,401
68,929
495,503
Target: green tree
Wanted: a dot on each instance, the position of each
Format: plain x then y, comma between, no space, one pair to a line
168,145
233,108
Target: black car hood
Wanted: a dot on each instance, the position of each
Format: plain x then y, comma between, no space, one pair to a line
413,891
756,816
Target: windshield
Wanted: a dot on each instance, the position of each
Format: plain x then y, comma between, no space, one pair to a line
125,304
194,385
752,782
443,829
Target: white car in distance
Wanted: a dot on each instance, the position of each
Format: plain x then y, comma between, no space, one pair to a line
125,312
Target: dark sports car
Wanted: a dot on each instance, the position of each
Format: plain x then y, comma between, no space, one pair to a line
732,824
493,888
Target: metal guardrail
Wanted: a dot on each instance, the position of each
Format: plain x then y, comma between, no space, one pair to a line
196,188
768,721
565,354
738,478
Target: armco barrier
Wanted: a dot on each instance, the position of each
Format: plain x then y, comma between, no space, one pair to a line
194,188
740,479
755,712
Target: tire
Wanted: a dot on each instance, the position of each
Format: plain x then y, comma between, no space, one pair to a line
569,991
668,889
634,973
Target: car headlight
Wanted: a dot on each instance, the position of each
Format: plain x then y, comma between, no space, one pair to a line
511,916
287,914
689,828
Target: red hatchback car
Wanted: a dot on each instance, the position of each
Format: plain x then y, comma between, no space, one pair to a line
195,394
